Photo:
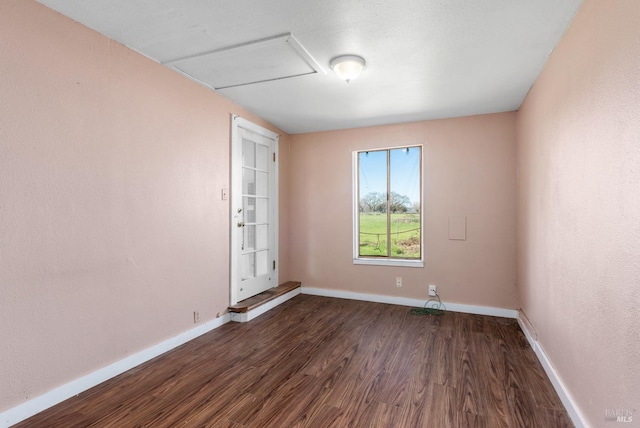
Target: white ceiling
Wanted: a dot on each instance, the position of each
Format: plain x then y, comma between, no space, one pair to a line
426,59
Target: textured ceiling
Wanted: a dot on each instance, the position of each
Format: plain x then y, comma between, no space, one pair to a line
426,59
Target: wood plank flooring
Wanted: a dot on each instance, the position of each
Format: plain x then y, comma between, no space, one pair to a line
323,362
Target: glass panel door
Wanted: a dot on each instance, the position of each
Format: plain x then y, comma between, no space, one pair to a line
254,195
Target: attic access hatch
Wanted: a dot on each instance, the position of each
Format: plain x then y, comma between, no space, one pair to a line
264,60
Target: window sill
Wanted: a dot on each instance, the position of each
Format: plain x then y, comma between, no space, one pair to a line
389,262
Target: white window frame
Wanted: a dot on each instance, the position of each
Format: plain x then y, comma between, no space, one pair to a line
384,261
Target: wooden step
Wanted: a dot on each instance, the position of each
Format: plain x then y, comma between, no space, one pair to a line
260,299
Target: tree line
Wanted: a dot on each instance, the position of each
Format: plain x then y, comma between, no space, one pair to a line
376,202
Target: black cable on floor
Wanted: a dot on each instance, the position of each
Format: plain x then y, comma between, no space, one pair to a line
432,307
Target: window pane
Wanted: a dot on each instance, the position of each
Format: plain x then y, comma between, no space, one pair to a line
262,235
248,181
262,157
373,234
262,263
373,203
249,207
248,153
262,210
262,186
248,266
404,202
249,241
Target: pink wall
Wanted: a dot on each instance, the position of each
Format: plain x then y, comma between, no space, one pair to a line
469,171
579,208
112,230
112,227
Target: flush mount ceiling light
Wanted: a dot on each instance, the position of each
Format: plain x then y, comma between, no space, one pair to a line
348,67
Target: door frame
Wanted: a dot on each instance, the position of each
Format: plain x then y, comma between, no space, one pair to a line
235,201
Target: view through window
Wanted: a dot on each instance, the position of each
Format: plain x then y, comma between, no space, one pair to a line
389,203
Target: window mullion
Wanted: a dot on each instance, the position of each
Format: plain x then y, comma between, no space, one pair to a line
388,203
357,214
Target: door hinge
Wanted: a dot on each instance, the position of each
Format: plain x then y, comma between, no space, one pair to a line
274,265
274,157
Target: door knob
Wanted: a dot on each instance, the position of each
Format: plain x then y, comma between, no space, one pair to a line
241,224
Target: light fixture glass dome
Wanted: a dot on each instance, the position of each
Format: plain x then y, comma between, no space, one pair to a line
348,67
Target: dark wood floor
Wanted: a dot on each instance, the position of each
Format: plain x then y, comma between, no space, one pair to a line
323,362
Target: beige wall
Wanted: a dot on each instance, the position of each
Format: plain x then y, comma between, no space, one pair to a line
579,208
112,227
469,170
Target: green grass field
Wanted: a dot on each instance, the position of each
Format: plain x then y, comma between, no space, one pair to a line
405,235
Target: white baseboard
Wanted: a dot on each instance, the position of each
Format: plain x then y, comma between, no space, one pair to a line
253,313
51,398
569,404
405,301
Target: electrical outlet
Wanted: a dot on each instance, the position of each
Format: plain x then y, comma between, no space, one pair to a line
196,317
398,281
432,290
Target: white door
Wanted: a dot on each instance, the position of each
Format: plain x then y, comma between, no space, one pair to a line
254,209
